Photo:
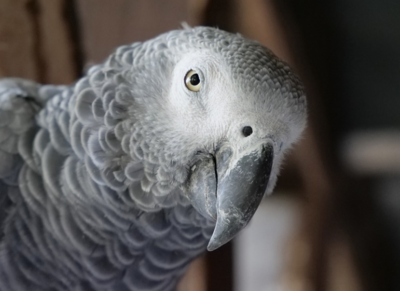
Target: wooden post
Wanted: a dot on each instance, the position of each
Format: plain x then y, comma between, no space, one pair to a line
35,41
18,40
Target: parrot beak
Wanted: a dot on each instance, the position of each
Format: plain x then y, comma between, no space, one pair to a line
240,192
230,192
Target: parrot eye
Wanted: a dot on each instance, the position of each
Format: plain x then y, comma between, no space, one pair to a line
192,81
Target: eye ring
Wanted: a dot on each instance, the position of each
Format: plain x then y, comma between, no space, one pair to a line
193,81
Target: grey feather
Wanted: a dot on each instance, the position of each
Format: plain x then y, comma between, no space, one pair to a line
93,176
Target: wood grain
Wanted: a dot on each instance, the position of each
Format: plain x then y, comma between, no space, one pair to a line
35,41
56,46
107,24
18,40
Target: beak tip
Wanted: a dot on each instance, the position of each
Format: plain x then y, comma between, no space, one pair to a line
219,236
239,197
223,233
216,242
212,246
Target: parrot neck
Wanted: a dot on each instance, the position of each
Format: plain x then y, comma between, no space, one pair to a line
94,208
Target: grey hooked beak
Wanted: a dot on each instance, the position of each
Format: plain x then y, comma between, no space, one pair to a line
230,194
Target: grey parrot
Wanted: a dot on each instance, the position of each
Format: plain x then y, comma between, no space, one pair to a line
166,149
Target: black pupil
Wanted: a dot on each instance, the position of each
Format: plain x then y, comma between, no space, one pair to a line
247,130
194,79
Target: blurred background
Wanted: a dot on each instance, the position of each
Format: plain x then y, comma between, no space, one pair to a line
334,220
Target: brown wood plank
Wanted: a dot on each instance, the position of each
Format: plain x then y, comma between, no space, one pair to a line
57,48
18,40
35,41
107,24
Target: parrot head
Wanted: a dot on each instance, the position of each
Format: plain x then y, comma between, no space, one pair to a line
214,114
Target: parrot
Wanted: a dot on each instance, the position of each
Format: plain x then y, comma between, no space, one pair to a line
160,153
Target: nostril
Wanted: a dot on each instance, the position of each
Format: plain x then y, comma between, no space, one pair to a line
247,130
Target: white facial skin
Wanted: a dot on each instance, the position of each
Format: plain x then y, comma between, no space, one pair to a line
220,109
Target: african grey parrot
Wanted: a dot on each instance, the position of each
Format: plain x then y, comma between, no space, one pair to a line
119,181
